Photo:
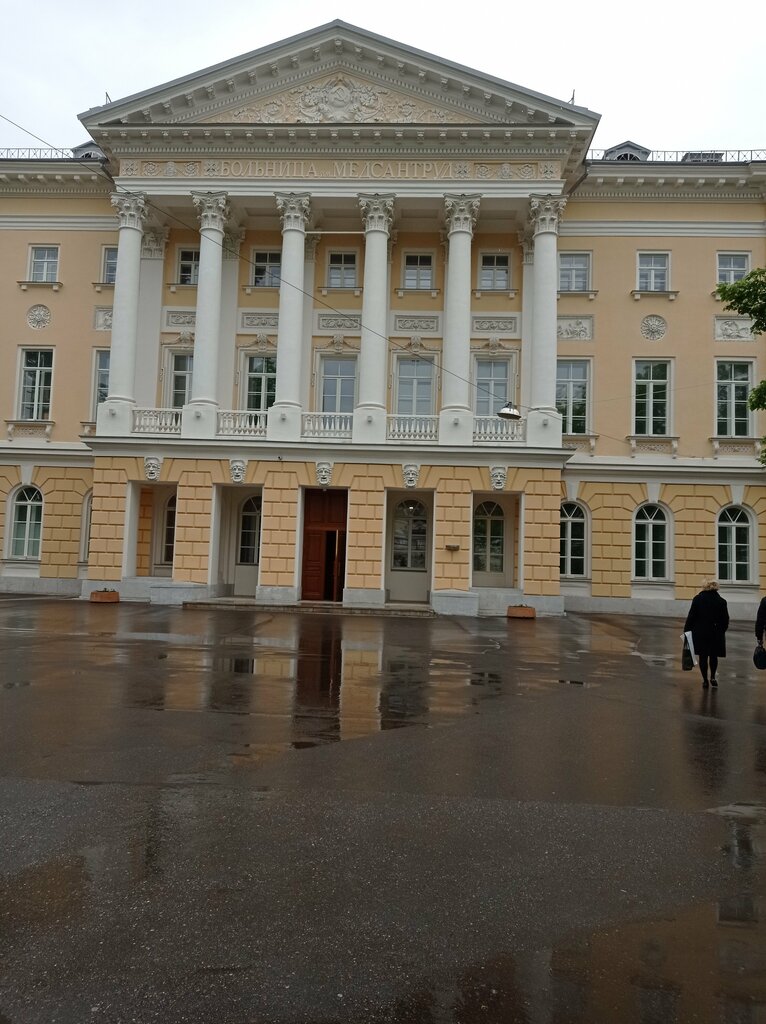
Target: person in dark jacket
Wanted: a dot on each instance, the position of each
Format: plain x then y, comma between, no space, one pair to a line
760,621
708,620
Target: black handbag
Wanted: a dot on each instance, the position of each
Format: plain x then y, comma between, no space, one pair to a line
687,662
759,657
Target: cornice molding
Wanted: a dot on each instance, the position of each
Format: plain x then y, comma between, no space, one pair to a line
651,228
10,222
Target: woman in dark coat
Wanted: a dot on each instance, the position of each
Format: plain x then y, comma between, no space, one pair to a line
708,620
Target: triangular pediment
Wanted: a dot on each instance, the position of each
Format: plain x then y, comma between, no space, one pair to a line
339,74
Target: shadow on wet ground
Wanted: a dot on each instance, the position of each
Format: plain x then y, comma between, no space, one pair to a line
237,816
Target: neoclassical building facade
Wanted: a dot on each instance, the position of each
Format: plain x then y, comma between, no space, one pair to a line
258,331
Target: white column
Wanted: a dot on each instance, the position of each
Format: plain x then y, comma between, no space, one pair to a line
456,417
115,415
543,422
150,316
370,412
200,415
284,422
227,369
527,319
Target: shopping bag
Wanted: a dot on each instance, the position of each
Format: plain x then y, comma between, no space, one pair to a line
759,657
687,659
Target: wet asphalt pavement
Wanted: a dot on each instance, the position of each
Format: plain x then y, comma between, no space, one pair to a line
235,816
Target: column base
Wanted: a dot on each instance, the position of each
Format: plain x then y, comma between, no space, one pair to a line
199,419
369,425
543,428
284,422
456,426
114,418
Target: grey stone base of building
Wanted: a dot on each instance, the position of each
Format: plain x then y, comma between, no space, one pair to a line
363,598
287,596
740,608
35,586
155,590
455,602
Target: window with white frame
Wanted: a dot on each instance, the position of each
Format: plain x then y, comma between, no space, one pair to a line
492,385
418,271
733,385
341,270
650,543
732,266
410,535
36,384
572,394
574,271
338,383
653,271
414,386
651,415
249,531
494,272
260,382
734,543
44,263
109,265
267,268
100,377
27,524
572,540
188,266
488,538
181,367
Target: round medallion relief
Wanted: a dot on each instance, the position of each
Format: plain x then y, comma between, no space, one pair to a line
654,327
38,317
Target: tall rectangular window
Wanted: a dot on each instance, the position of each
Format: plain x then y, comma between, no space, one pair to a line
418,271
44,263
338,384
261,382
494,272
574,271
732,266
491,386
188,266
341,270
36,384
101,381
267,269
181,380
572,395
653,271
109,265
414,387
731,391
651,397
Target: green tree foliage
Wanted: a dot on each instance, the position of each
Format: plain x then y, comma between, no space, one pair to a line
748,297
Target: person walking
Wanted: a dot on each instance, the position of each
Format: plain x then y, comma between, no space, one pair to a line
760,622
708,620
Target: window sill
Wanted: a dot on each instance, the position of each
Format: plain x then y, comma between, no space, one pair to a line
655,444
175,285
325,288
29,428
639,294
511,293
584,293
580,442
99,286
87,428
248,289
433,292
53,286
736,446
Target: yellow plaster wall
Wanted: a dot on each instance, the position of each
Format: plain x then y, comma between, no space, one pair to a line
366,522
10,477
144,542
612,507
280,524
63,489
110,482
695,509
194,506
453,489
541,525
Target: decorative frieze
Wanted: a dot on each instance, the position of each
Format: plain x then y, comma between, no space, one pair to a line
733,328
102,318
258,322
574,328
504,326
404,324
176,319
333,322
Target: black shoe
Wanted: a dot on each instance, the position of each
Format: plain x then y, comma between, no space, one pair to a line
714,682
705,684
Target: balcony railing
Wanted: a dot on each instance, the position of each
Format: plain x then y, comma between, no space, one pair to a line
685,156
241,423
156,421
493,430
413,428
328,425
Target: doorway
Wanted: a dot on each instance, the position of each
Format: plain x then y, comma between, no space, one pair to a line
324,544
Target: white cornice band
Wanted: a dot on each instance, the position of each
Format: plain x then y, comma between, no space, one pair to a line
651,228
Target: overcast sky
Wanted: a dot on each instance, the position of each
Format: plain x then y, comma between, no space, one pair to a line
682,74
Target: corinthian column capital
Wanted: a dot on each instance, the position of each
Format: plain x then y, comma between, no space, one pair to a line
212,209
545,213
131,209
294,209
377,212
461,212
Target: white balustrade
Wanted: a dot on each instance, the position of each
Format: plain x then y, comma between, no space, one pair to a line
493,430
328,425
242,423
156,421
413,428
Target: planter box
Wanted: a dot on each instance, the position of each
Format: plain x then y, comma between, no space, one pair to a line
521,611
104,596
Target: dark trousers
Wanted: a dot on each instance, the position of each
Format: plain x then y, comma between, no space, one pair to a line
713,659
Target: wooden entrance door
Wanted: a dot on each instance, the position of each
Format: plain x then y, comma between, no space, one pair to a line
324,545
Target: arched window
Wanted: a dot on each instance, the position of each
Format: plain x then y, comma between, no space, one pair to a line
410,534
169,531
572,540
249,532
27,523
650,561
488,538
734,545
